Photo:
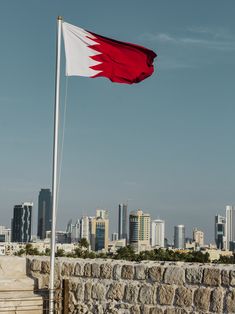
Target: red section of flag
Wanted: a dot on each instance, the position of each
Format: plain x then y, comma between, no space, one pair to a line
122,62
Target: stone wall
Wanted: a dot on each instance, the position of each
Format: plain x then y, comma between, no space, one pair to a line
105,286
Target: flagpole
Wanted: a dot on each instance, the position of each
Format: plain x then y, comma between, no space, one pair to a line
55,166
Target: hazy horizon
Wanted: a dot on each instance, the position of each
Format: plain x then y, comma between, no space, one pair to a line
166,144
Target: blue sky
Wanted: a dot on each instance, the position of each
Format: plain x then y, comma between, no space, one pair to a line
166,145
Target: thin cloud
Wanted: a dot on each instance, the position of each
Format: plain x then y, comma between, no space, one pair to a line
197,37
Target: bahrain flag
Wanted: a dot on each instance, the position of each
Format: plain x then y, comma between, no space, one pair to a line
91,55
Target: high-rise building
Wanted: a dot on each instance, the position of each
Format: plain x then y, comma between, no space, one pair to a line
220,228
198,237
44,212
101,234
92,232
139,230
230,227
5,234
69,230
102,213
84,227
75,232
21,222
122,221
114,236
158,233
179,237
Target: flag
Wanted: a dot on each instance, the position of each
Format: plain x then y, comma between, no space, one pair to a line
92,55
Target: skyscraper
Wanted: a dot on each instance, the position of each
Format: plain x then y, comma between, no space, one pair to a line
5,234
230,227
75,234
139,230
220,228
44,212
158,232
114,236
179,237
102,213
122,221
84,228
21,222
101,234
198,237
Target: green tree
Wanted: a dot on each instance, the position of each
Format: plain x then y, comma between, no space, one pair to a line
84,243
20,252
59,253
30,250
126,253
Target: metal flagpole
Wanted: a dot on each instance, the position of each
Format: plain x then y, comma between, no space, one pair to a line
55,163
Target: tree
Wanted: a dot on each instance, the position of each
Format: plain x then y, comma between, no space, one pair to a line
30,250
84,243
59,253
126,253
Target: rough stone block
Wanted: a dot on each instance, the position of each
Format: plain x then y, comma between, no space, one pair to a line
123,306
225,277
216,301
146,294
145,309
140,272
117,272
212,277
232,277
98,309
194,275
106,271
174,275
87,291
95,270
87,270
183,297
202,299
111,311
127,272
165,294
116,291
135,309
78,269
230,302
81,308
177,311
98,292
43,282
45,267
79,292
156,273
131,293
67,269
156,310
35,265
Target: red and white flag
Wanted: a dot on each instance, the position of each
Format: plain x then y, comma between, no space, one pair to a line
92,55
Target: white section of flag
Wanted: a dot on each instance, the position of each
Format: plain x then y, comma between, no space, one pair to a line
77,51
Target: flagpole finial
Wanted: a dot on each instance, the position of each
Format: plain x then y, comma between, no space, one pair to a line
59,18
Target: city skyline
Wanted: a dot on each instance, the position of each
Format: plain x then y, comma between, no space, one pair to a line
165,145
144,231
45,195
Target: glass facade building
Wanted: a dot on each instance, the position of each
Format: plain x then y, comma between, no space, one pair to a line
22,223
179,237
220,225
44,212
122,221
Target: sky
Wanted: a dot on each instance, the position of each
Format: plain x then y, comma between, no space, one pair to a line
165,145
